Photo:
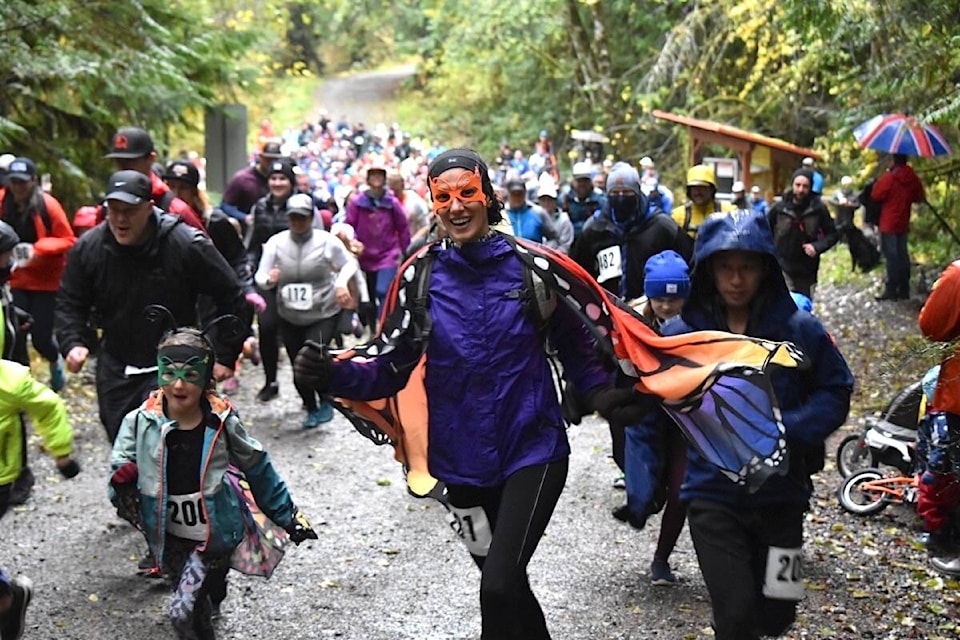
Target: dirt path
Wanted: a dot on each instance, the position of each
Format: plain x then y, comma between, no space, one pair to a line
364,97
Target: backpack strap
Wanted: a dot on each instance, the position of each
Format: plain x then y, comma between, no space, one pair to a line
166,200
687,215
44,215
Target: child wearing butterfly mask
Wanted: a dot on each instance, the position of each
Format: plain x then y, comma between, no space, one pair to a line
176,449
749,543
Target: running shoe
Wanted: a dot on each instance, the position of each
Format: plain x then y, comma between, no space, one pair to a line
231,385
312,420
269,392
947,565
660,574
357,326
14,618
57,379
620,482
251,350
147,566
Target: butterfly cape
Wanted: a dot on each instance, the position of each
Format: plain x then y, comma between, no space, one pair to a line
713,384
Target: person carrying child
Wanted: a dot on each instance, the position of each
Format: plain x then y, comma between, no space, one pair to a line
19,391
655,451
177,448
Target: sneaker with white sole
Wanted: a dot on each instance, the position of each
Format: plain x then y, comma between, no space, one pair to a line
660,574
620,482
14,619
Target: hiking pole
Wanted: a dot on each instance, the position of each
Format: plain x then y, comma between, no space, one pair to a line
943,222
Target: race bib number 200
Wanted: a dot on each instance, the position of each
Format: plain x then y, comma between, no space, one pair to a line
784,577
185,516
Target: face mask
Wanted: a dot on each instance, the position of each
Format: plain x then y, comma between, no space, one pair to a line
623,207
469,188
178,362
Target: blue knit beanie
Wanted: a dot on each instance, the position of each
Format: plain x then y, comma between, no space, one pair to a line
666,275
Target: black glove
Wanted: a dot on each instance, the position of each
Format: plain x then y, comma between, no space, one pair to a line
69,469
621,407
605,399
299,529
312,366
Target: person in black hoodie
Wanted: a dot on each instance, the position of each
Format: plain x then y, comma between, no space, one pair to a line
749,543
802,230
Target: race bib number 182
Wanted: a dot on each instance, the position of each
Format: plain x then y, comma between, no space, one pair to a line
608,264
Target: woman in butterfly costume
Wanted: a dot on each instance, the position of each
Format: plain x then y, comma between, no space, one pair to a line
459,381
749,543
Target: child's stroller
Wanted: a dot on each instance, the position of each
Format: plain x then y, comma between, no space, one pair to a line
888,439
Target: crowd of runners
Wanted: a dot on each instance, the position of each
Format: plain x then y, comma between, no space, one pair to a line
388,266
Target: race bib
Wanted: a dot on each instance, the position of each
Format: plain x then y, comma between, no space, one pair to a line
784,579
297,296
185,517
608,264
22,253
473,528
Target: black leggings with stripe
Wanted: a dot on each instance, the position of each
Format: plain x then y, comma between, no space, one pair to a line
518,512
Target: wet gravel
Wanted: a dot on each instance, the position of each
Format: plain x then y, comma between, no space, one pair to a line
386,566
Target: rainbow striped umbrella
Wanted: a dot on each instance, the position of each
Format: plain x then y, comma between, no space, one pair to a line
901,133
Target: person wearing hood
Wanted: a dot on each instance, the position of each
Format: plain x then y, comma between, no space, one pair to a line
617,241
802,230
749,544
896,191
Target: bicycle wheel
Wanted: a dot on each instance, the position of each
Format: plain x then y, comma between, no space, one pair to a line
858,501
853,454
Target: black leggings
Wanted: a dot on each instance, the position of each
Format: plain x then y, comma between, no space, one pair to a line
40,305
294,336
268,329
518,512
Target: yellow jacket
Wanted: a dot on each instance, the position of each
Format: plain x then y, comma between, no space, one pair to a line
19,391
698,213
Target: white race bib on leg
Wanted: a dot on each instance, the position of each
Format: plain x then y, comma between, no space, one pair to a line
473,528
784,576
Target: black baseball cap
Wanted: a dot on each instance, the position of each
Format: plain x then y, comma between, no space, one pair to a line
131,187
22,169
271,149
516,185
182,170
131,142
